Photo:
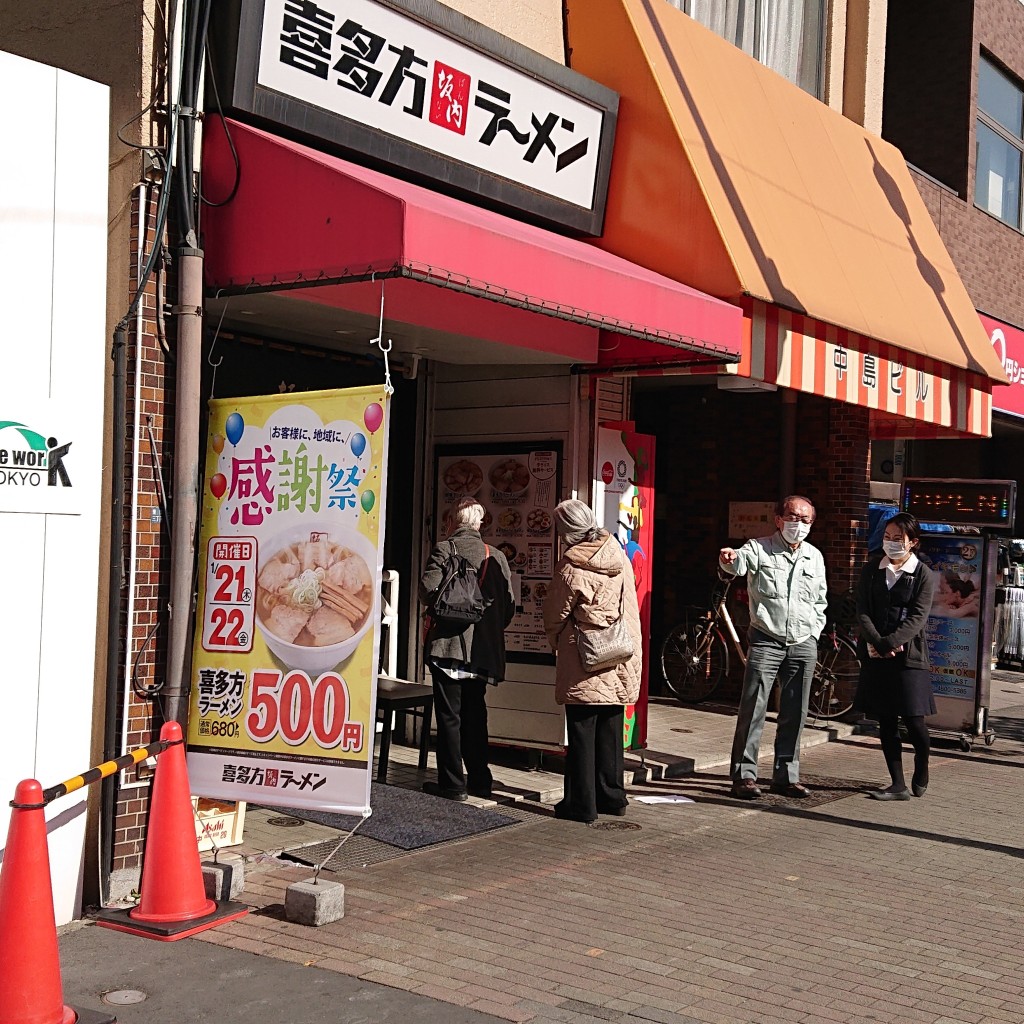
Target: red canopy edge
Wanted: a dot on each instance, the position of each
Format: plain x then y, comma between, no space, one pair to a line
302,219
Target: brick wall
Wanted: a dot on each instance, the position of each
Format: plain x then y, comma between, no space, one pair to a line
987,253
146,649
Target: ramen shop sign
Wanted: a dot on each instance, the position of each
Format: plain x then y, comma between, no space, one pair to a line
388,78
284,659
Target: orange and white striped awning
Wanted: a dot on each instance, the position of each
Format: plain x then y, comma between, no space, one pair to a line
910,395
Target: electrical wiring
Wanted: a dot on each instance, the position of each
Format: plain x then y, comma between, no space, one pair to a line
227,135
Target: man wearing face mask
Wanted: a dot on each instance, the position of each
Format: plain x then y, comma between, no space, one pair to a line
786,585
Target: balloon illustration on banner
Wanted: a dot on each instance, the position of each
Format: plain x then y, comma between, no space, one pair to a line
366,499
218,484
233,427
218,443
373,417
358,444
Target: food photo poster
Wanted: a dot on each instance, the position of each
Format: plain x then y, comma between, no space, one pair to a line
518,484
287,631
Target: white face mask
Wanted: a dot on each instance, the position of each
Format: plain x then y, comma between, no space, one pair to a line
894,549
794,533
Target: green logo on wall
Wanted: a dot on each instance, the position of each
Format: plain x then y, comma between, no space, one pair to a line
26,455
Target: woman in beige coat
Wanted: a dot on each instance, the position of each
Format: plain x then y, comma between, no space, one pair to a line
593,581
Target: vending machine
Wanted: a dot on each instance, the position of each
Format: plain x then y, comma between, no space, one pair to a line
961,521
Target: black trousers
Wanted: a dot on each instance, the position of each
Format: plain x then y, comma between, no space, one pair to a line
593,761
460,710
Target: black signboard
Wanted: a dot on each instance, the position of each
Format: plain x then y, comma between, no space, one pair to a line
989,504
414,88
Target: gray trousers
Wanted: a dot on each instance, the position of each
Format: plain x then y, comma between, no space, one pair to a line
768,659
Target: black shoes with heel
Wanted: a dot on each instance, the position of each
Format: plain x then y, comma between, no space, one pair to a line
890,794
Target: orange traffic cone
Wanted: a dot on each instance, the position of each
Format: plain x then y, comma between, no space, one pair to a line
30,985
174,903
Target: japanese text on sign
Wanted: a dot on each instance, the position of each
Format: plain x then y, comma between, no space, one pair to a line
373,65
230,594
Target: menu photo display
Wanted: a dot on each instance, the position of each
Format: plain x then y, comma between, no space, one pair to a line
518,485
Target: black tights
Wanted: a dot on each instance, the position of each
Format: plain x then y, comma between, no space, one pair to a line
892,748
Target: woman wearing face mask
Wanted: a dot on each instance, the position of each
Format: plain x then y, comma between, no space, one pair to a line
894,599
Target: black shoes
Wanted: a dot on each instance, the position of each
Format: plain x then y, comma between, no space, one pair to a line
890,794
459,795
618,812
745,789
480,792
917,789
793,790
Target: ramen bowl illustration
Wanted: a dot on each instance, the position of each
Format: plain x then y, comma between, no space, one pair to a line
315,594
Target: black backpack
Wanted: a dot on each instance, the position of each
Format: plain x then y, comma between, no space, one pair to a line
459,599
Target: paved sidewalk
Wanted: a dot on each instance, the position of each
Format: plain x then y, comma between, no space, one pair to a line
681,740
716,911
847,911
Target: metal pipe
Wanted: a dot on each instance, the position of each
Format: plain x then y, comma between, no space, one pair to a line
185,492
129,642
115,583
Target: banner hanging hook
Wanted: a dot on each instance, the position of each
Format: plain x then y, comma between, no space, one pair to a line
379,340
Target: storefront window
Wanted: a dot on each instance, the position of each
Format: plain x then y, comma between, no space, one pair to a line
999,144
785,35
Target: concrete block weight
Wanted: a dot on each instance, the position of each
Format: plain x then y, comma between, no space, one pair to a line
314,902
225,878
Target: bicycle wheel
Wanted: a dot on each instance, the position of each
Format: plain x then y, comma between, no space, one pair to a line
835,677
694,658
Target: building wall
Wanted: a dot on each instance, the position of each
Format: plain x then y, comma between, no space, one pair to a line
863,59
931,99
53,204
534,23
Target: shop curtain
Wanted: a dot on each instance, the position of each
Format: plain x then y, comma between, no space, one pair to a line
785,35
792,37
735,20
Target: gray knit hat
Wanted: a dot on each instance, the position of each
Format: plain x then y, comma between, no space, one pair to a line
575,522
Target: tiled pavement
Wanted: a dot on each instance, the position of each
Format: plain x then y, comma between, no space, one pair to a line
700,736
716,911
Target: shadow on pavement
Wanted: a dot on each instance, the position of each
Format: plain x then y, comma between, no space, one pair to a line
713,789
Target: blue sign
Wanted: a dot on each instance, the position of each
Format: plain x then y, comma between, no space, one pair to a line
954,626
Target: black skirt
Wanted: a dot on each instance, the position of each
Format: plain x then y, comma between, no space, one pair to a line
887,687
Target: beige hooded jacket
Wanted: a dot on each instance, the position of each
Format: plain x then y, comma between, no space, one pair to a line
590,579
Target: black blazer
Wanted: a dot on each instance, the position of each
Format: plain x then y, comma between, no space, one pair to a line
873,602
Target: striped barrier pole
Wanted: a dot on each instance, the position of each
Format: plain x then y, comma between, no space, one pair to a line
108,768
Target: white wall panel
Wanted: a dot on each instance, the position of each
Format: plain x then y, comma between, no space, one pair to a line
53,222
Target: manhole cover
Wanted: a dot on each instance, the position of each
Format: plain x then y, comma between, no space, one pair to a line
615,826
285,822
124,997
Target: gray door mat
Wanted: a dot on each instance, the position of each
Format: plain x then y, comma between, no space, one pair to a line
410,819
359,851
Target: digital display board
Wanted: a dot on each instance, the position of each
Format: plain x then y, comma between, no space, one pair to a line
985,503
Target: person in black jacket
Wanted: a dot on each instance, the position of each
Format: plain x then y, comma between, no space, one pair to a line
894,599
463,658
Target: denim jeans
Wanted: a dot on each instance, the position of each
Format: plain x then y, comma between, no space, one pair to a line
793,666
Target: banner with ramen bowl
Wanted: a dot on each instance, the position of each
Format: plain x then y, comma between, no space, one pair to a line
284,663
